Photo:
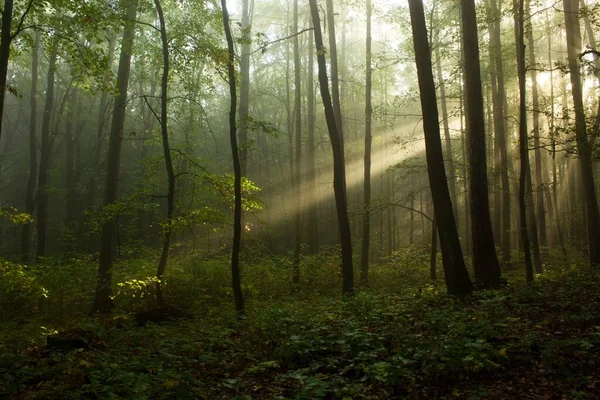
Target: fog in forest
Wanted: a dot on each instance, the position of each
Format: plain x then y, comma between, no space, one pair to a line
175,159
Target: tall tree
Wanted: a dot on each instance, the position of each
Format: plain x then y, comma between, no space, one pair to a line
445,122
523,140
46,150
298,147
31,177
339,169
366,229
237,170
164,132
455,272
499,110
485,260
246,26
571,8
311,174
103,302
540,189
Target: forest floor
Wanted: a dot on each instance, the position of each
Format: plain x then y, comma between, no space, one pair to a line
526,341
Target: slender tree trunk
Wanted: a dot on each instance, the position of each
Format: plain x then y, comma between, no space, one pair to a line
162,264
42,195
500,111
571,8
311,176
455,272
5,40
339,169
70,184
523,141
557,218
446,124
29,197
366,228
485,260
103,302
540,212
246,26
102,118
298,146
237,186
335,85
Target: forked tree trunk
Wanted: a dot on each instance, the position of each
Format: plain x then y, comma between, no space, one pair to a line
339,169
485,260
457,278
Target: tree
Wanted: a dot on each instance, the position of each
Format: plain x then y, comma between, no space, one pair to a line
335,85
46,151
485,260
339,169
298,146
571,8
499,110
237,185
524,192
246,26
164,131
103,298
31,178
366,231
311,176
457,278
6,38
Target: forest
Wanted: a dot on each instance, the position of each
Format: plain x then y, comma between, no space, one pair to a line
284,199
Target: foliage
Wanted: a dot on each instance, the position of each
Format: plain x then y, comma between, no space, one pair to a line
311,345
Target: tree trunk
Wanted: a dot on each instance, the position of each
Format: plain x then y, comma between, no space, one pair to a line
571,8
335,79
446,124
42,194
457,278
366,228
5,40
246,27
339,169
29,197
523,142
298,146
540,212
162,264
485,260
70,184
103,302
499,109
311,176
237,170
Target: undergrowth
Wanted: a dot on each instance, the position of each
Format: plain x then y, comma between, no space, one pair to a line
401,337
